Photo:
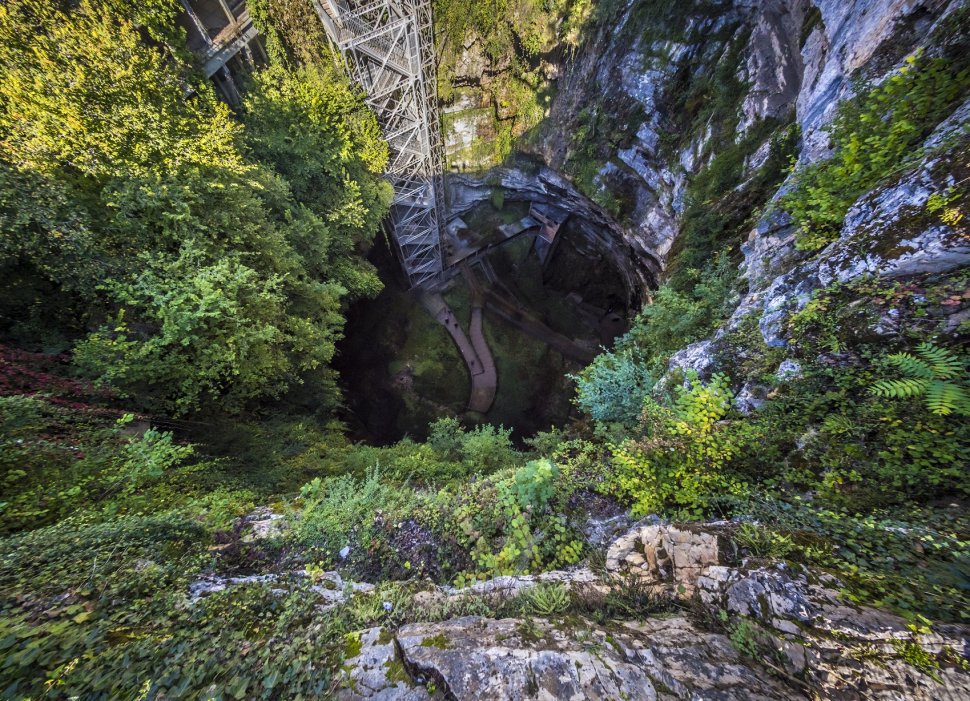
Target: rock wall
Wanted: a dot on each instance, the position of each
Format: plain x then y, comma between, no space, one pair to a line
741,629
545,186
643,108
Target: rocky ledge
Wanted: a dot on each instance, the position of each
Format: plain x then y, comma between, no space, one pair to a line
745,630
513,659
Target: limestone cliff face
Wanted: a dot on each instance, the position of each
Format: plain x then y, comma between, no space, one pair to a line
794,61
654,96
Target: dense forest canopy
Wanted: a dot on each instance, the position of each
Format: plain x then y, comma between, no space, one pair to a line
192,260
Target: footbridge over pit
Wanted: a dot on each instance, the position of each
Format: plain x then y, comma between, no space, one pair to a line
388,49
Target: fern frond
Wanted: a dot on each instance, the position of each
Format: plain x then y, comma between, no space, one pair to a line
945,365
946,398
911,366
900,389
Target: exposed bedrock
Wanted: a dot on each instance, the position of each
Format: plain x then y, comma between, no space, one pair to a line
810,642
795,61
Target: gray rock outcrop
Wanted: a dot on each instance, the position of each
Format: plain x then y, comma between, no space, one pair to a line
516,659
800,638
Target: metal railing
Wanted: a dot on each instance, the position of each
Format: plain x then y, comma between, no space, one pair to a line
388,49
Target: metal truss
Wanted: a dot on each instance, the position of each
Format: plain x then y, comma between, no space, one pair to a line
388,49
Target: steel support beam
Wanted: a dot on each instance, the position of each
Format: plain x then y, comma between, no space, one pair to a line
388,49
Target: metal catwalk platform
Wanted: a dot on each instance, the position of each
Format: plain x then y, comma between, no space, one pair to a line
388,49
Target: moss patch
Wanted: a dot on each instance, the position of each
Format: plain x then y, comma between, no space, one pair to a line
438,641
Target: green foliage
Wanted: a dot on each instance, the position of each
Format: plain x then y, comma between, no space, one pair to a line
211,259
126,609
482,450
451,453
337,507
314,131
910,559
680,464
723,200
764,542
613,388
671,320
937,375
547,599
873,441
512,35
874,136
293,33
534,484
944,204
225,306
54,462
915,654
744,635
509,525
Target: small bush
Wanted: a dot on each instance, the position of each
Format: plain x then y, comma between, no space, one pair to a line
680,464
55,461
339,509
508,524
613,388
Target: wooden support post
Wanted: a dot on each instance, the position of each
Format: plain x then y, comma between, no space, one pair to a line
197,22
229,15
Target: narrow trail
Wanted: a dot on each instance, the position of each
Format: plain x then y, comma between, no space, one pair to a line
477,333
474,351
473,346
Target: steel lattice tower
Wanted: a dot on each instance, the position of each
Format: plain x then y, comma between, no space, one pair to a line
388,49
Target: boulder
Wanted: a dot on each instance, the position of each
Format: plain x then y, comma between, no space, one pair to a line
262,524
376,672
668,557
840,650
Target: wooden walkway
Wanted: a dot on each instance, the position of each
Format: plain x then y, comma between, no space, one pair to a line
473,348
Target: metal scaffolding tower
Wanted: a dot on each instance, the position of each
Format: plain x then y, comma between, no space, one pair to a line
388,49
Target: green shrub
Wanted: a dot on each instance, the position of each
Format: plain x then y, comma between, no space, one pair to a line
680,465
338,510
488,448
674,319
508,524
55,461
534,484
613,388
937,375
451,453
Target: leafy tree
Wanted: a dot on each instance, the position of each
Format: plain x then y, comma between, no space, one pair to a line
308,125
212,261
